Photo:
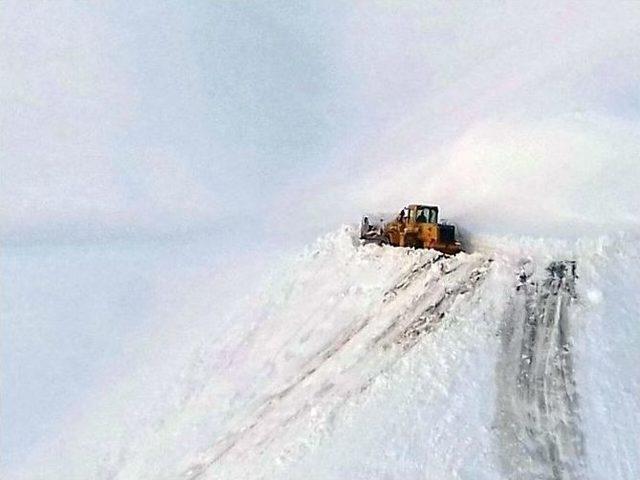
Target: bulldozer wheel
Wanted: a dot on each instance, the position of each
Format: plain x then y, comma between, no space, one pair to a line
412,242
385,240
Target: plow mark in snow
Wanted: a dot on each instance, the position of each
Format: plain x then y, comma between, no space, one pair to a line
415,305
408,278
537,401
433,315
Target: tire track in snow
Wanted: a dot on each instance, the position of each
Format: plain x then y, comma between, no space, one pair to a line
539,424
229,441
422,315
434,314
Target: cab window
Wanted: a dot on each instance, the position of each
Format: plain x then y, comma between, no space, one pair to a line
427,215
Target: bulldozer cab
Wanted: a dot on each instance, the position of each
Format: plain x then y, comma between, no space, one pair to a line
419,214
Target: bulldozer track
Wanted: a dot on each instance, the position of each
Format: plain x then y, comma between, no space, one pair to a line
410,277
424,313
433,315
538,411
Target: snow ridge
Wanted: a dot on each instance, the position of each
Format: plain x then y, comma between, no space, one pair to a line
356,322
364,361
418,301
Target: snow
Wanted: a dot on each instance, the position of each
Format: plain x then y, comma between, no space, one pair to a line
360,361
608,359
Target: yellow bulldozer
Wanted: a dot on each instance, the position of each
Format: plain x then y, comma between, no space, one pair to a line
415,226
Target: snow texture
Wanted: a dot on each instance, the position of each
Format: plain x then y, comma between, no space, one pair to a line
516,361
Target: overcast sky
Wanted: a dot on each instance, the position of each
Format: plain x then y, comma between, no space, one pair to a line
121,119
165,116
154,121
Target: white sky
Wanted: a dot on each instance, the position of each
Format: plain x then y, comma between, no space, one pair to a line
122,120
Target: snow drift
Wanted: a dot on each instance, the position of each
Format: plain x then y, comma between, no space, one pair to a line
507,176
378,362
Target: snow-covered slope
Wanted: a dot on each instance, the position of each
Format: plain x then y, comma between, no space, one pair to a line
380,362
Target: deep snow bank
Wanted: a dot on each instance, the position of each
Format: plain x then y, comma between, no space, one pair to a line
380,362
407,364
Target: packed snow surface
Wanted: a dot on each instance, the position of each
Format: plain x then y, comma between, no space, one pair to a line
518,360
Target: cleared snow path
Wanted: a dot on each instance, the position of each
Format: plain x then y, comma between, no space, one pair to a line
419,300
537,401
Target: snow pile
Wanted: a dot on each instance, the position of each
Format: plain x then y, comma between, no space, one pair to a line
380,362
